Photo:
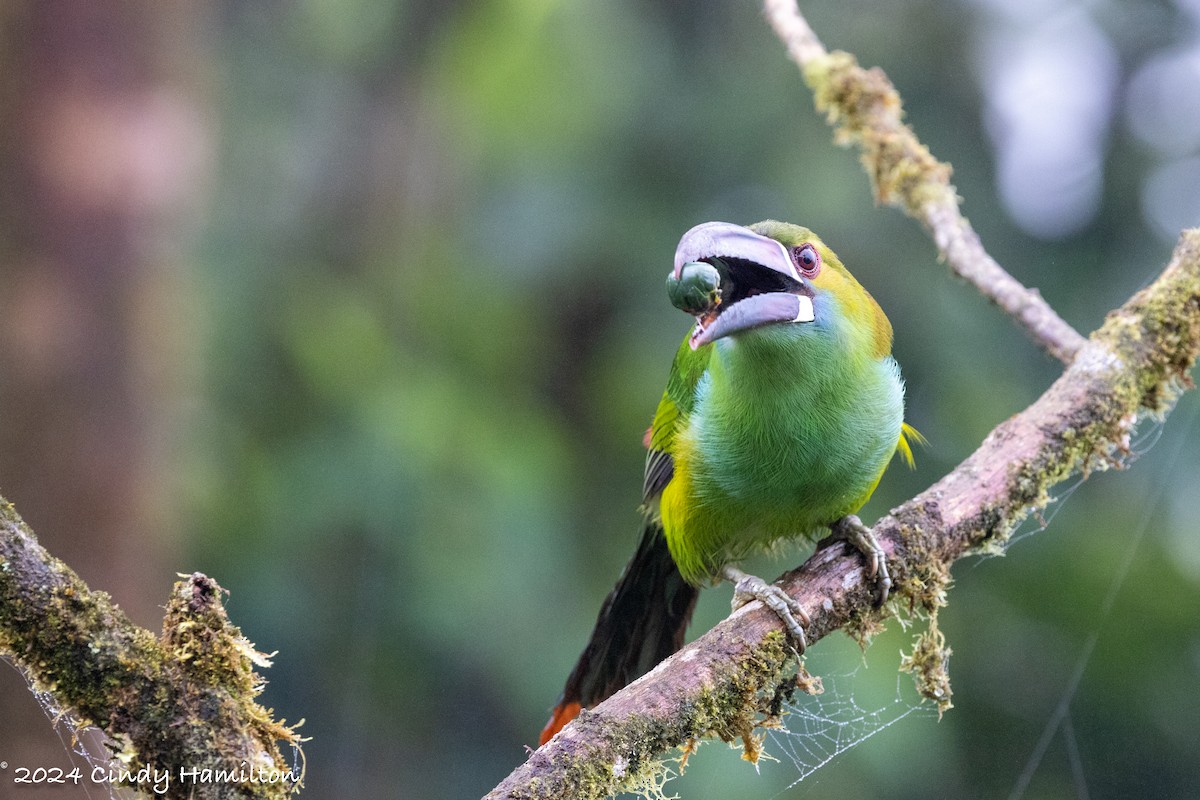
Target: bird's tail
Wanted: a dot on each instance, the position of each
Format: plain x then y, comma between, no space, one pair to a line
642,621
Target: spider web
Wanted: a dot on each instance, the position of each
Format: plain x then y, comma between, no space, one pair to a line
94,753
812,731
1147,435
88,748
816,729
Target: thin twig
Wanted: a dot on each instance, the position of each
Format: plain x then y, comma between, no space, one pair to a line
865,110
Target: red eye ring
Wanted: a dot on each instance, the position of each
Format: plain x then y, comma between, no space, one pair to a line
807,260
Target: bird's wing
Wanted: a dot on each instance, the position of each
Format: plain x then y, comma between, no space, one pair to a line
673,411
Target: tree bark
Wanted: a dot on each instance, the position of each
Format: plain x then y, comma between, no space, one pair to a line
180,706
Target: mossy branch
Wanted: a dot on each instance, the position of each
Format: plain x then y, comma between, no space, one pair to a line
182,703
866,111
1134,366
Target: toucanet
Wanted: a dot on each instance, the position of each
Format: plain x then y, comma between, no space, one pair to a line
783,408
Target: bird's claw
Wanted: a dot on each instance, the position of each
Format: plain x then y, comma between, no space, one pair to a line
748,587
852,530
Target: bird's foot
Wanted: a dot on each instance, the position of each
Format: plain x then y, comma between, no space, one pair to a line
852,530
750,587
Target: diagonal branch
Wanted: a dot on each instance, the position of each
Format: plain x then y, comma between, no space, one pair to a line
177,705
1135,365
865,109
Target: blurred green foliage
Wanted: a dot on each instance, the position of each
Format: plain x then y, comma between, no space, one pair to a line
435,328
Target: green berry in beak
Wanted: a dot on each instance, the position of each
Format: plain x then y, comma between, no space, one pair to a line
697,289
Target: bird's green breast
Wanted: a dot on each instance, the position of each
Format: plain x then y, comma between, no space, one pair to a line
788,435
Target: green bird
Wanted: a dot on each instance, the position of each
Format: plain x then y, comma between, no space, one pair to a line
783,408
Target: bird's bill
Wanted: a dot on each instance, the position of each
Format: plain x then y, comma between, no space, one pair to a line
753,312
764,287
725,240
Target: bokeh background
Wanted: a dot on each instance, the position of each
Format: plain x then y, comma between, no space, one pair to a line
358,308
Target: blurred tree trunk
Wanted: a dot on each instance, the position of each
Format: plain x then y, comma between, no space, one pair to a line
103,150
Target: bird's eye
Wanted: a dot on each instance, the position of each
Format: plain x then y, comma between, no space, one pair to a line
807,260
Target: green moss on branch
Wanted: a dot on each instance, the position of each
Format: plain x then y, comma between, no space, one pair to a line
182,703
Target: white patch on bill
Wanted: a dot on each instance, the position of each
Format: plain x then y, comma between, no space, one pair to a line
805,311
